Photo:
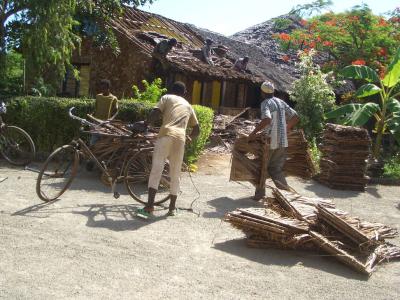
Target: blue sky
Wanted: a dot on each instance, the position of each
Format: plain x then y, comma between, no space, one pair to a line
230,16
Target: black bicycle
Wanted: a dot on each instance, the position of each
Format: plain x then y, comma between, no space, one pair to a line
16,146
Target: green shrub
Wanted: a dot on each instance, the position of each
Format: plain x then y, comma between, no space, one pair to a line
152,91
48,123
205,116
313,96
392,168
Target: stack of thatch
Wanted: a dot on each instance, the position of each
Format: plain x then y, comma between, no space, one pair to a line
250,158
345,151
299,162
291,221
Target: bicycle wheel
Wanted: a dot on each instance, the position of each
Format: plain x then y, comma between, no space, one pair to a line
16,146
137,174
57,173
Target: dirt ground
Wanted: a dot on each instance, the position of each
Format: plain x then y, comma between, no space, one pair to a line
89,245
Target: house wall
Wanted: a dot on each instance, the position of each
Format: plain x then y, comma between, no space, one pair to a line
129,67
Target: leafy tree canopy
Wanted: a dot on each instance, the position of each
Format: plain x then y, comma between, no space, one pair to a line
47,32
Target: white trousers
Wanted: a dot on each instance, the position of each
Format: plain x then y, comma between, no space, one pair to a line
172,149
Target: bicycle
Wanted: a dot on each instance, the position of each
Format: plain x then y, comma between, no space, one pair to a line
127,159
16,146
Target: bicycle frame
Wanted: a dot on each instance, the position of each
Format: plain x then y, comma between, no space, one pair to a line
85,151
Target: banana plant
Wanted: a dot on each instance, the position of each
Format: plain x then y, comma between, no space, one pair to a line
386,112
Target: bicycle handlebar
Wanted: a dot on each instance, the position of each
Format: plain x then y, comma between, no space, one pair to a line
83,121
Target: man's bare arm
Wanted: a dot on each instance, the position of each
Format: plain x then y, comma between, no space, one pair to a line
264,123
292,122
115,112
195,133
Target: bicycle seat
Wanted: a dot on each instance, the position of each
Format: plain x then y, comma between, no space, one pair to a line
3,108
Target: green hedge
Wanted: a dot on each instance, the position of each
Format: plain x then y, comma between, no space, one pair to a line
48,123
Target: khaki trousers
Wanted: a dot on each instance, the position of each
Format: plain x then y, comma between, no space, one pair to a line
173,149
276,162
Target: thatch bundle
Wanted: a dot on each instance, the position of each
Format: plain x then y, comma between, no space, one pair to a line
345,151
292,221
299,162
250,159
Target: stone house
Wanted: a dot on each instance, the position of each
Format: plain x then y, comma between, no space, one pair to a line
137,33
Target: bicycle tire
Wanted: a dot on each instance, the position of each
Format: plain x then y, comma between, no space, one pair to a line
14,140
71,165
142,161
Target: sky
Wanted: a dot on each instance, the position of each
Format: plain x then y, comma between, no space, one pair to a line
230,16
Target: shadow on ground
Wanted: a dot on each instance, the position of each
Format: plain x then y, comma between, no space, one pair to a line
326,192
224,205
116,217
288,258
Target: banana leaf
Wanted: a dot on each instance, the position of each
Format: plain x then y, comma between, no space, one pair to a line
344,110
361,116
360,72
393,124
394,106
367,90
392,76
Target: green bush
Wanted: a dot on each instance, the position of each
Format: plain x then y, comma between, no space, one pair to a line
152,91
48,123
205,116
392,168
313,96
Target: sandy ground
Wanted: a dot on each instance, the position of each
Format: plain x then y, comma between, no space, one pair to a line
89,245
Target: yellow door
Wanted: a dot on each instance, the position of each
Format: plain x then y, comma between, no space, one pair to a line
84,81
216,95
196,95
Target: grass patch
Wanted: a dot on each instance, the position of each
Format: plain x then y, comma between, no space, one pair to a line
392,167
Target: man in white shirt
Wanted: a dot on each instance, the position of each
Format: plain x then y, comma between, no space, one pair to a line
277,118
177,114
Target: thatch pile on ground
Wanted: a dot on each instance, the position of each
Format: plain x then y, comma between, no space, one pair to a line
299,162
345,151
292,221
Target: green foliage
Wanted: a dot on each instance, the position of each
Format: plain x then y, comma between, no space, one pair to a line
392,168
313,96
386,113
315,155
48,31
13,80
205,116
47,121
282,24
152,92
310,8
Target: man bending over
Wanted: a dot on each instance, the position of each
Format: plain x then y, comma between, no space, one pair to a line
176,114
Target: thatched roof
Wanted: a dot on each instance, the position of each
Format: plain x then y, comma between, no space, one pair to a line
145,30
281,78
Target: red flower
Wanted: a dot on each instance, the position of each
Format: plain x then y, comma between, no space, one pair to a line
327,43
286,58
312,44
284,37
382,22
358,62
382,52
303,22
330,23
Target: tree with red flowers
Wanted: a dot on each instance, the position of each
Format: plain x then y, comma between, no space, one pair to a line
356,36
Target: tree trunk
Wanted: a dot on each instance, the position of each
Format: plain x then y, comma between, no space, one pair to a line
2,51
